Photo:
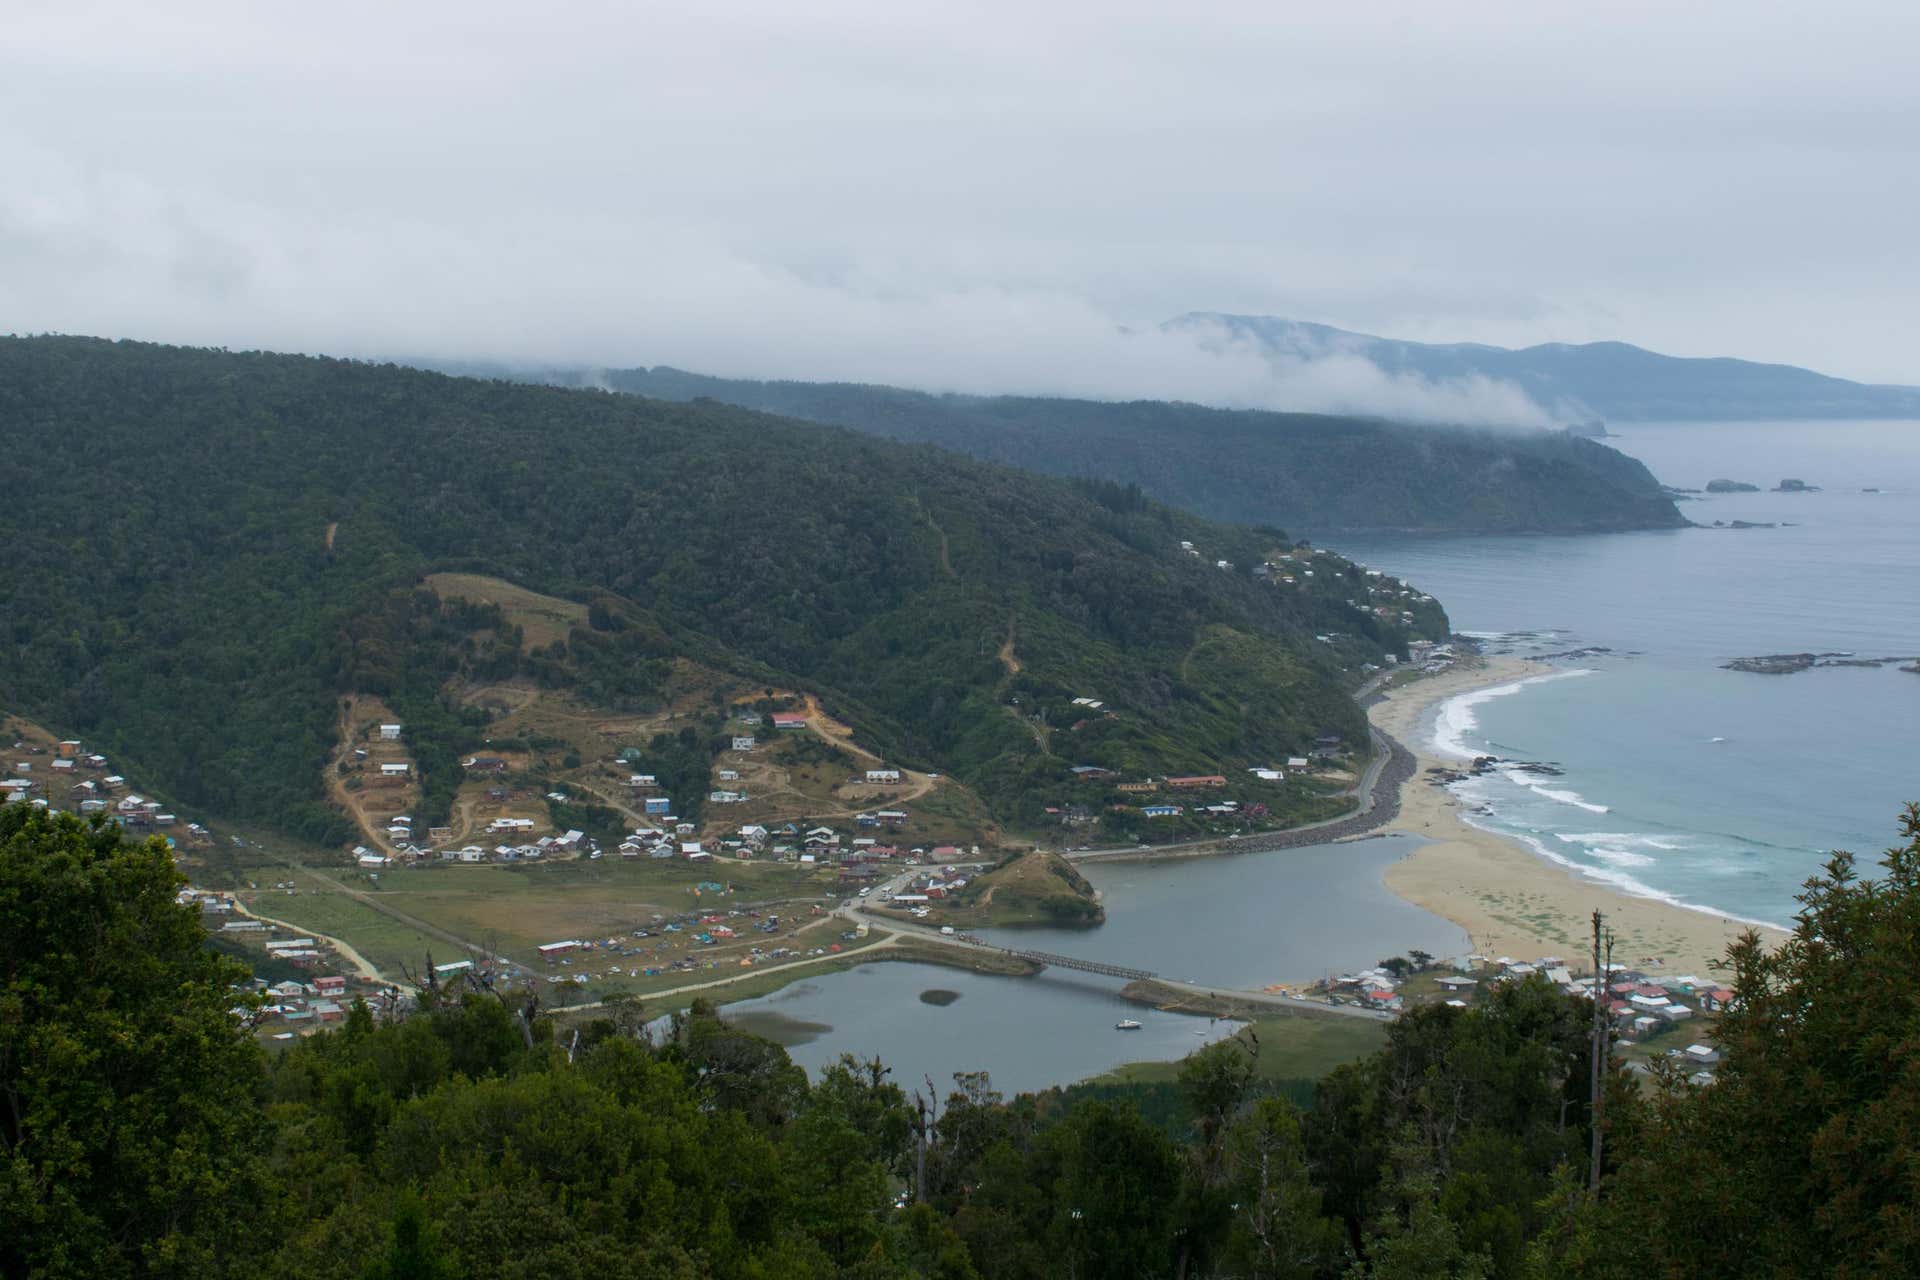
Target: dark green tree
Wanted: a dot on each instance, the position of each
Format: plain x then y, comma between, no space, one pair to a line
130,1130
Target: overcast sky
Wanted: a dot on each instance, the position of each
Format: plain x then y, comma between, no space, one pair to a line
969,197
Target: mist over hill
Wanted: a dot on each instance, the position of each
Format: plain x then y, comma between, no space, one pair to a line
1311,473
1575,382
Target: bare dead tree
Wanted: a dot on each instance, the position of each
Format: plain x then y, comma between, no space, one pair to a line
1599,1053
528,1011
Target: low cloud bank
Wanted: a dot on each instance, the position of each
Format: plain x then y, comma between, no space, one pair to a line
111,255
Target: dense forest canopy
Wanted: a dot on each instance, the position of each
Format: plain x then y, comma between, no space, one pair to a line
144,1134
206,549
1312,473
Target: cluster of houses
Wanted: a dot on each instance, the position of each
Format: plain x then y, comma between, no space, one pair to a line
77,780
300,1005
1639,1006
1327,747
787,842
296,1004
920,893
569,844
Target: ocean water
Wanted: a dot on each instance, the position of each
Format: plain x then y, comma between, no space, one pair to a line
1676,779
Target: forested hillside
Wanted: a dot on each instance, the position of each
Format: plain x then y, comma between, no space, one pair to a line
146,1135
1307,472
206,549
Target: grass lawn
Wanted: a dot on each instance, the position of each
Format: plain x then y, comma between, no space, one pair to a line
1292,1047
385,942
513,909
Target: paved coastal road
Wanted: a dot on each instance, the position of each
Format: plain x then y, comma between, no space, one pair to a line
1378,788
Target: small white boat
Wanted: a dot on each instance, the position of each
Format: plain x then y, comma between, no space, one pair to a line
1126,1024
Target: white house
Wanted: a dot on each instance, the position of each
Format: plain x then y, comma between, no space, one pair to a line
727,797
743,742
398,769
883,776
389,733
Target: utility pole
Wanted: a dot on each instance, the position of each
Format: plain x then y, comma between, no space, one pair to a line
1600,1048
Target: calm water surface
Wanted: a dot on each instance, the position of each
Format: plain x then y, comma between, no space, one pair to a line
1241,921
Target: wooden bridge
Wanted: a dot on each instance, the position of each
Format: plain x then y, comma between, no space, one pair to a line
1060,962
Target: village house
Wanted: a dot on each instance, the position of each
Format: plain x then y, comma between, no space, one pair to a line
1162,811
789,720
883,777
743,742
727,797
389,733
1138,788
396,769
1197,781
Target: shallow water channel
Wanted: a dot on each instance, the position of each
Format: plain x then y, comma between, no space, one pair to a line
1241,921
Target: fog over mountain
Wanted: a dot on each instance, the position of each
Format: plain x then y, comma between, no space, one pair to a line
1573,383
856,191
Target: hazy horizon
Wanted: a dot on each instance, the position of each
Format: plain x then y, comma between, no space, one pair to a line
985,199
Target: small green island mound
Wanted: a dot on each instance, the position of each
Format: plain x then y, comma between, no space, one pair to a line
939,997
1028,888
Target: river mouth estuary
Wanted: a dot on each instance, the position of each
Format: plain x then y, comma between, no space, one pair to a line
1240,920
1666,767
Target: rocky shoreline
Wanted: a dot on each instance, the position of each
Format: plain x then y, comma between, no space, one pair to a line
1782,664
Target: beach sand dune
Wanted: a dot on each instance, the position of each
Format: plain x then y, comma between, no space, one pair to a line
1511,901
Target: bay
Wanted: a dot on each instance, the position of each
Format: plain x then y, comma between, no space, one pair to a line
1719,789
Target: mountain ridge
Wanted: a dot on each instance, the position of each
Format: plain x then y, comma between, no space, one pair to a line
214,547
1574,381
1317,474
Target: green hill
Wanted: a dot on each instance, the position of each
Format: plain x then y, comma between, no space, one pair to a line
1311,473
207,549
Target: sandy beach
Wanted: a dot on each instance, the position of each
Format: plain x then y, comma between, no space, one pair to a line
1510,900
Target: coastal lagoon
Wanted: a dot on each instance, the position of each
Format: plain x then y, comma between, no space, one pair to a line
1249,920
1241,920
1717,789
